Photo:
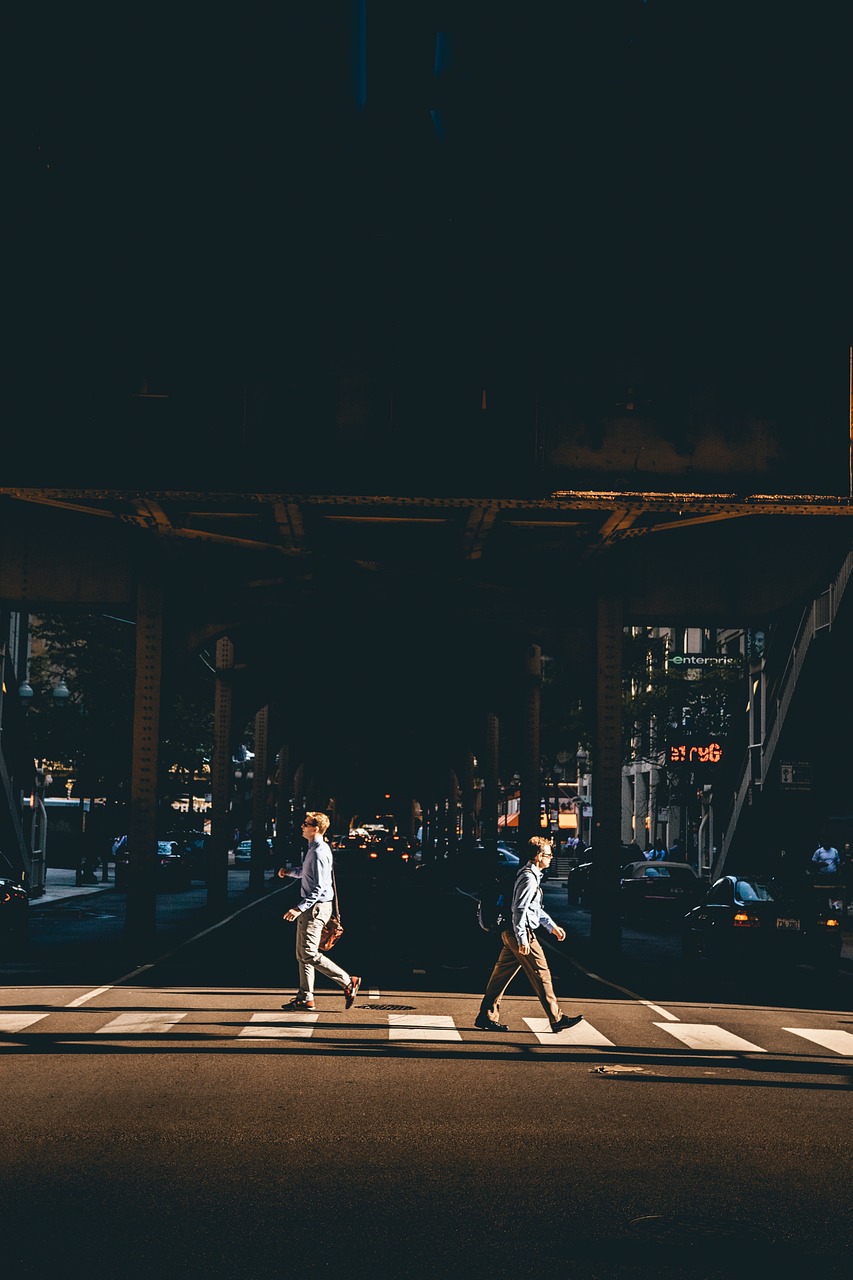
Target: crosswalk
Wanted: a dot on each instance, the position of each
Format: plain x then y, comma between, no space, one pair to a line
273,1025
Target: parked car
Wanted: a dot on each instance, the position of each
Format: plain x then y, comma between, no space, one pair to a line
658,890
750,920
508,855
14,906
172,869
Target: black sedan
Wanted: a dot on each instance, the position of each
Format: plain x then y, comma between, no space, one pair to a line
747,919
658,891
172,868
14,907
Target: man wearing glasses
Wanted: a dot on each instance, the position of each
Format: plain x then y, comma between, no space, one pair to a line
311,913
523,950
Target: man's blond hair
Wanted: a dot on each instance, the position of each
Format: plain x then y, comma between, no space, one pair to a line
320,821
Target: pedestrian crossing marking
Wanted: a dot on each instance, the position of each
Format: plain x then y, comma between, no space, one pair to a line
421,1026
10,1023
582,1034
700,1035
280,1026
143,1021
274,1025
838,1041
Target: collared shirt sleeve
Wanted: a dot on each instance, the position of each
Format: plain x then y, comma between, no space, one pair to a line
316,875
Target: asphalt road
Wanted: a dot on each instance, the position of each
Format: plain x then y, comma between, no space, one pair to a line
169,1120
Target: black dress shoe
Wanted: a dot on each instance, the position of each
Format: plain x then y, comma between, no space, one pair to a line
566,1022
486,1024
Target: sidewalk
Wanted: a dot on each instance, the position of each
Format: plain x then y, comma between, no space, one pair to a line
62,883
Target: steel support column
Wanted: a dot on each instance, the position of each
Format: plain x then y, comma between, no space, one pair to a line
140,910
283,808
528,818
489,814
221,781
605,927
260,848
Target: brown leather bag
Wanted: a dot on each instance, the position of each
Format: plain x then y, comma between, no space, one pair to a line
333,928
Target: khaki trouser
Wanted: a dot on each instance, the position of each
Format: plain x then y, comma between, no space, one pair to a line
309,928
507,966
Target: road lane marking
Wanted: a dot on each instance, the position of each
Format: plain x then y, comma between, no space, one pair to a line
700,1035
90,995
141,1021
277,1026
421,1026
582,1034
10,1023
838,1041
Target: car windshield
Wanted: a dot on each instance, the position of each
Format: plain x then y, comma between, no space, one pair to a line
678,875
753,891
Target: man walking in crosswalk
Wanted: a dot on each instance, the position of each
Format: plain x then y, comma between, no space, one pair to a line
523,950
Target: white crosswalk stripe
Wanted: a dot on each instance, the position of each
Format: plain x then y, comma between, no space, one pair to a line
421,1026
582,1034
838,1041
143,1021
280,1026
699,1035
10,1023
275,1025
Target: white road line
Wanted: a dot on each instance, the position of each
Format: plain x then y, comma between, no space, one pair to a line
279,1026
582,1034
838,1041
141,1021
421,1026
12,1022
625,991
700,1035
663,1013
90,995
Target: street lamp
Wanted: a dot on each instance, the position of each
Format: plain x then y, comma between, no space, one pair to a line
61,692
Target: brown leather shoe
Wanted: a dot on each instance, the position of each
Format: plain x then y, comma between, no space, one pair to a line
351,991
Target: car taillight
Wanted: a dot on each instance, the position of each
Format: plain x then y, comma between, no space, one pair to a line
743,920
832,923
374,854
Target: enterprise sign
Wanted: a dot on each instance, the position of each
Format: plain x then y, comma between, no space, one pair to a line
701,660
